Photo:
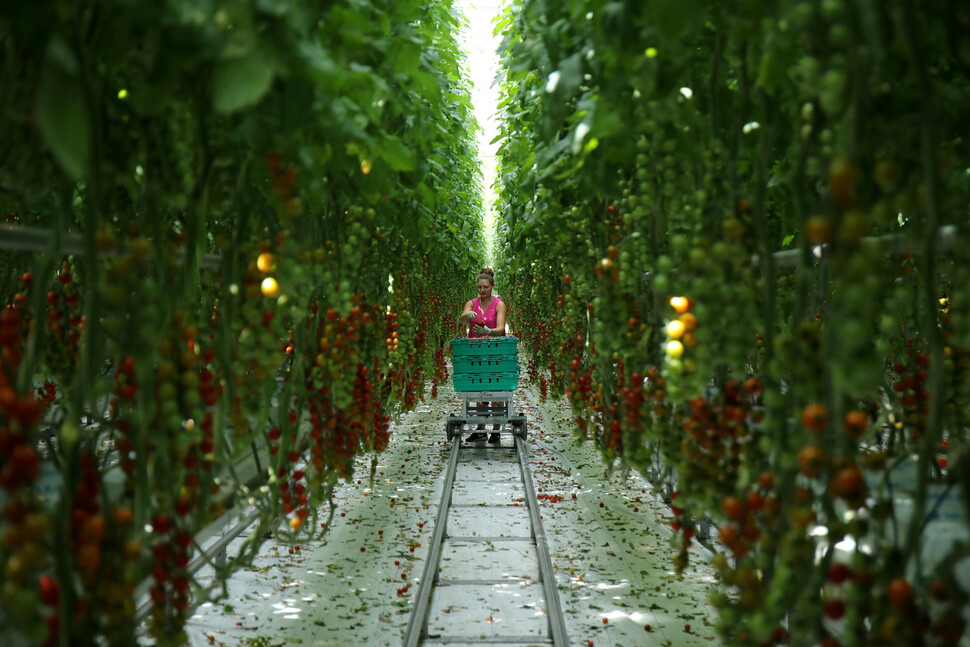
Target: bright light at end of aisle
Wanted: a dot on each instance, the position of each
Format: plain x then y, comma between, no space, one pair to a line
481,47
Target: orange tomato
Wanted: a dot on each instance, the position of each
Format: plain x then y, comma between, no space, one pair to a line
88,558
92,530
818,230
815,418
900,592
810,460
856,422
123,515
766,481
732,507
847,483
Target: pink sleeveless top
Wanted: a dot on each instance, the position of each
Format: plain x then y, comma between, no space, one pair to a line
490,315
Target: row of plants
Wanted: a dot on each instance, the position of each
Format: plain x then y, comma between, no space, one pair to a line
734,237
259,222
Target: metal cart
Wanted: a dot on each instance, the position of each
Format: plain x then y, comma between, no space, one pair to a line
486,371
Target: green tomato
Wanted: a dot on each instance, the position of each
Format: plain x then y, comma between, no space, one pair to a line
801,15
679,243
839,34
832,91
832,9
853,333
113,324
806,73
888,326
697,257
721,251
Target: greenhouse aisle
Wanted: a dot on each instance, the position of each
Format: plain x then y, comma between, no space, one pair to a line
609,539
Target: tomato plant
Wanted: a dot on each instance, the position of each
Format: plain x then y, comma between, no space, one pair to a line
257,220
735,234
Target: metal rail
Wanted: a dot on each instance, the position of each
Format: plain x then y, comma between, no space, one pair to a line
417,629
218,549
19,238
417,624
946,238
557,625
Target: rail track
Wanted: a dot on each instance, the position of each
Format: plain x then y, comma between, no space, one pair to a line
488,578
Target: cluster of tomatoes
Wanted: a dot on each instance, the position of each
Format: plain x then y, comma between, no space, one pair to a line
291,480
368,407
342,396
911,388
715,431
170,594
64,324
27,527
580,391
19,459
440,371
532,370
105,556
283,181
125,390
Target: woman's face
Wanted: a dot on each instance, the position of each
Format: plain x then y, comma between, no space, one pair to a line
484,288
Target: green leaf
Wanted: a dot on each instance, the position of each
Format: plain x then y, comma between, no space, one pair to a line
671,19
777,61
240,82
571,75
62,118
399,156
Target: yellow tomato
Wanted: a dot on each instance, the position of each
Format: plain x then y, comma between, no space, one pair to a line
676,328
674,349
269,287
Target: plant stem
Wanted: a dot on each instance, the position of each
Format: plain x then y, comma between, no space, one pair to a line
928,144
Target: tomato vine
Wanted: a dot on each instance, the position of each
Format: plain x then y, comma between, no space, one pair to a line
257,219
726,226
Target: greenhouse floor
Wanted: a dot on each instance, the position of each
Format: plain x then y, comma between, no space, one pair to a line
609,539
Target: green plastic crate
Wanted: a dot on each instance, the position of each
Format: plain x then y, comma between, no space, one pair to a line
485,346
485,364
485,381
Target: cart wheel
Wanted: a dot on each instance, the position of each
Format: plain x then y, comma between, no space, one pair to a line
519,427
453,427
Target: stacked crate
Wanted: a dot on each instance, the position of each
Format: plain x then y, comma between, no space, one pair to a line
486,364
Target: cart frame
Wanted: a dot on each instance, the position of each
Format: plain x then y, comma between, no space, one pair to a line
497,410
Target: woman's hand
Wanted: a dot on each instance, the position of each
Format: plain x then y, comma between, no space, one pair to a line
481,330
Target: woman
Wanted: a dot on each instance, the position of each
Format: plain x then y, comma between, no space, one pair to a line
485,317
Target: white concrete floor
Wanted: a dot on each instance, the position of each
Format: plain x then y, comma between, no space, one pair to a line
610,547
